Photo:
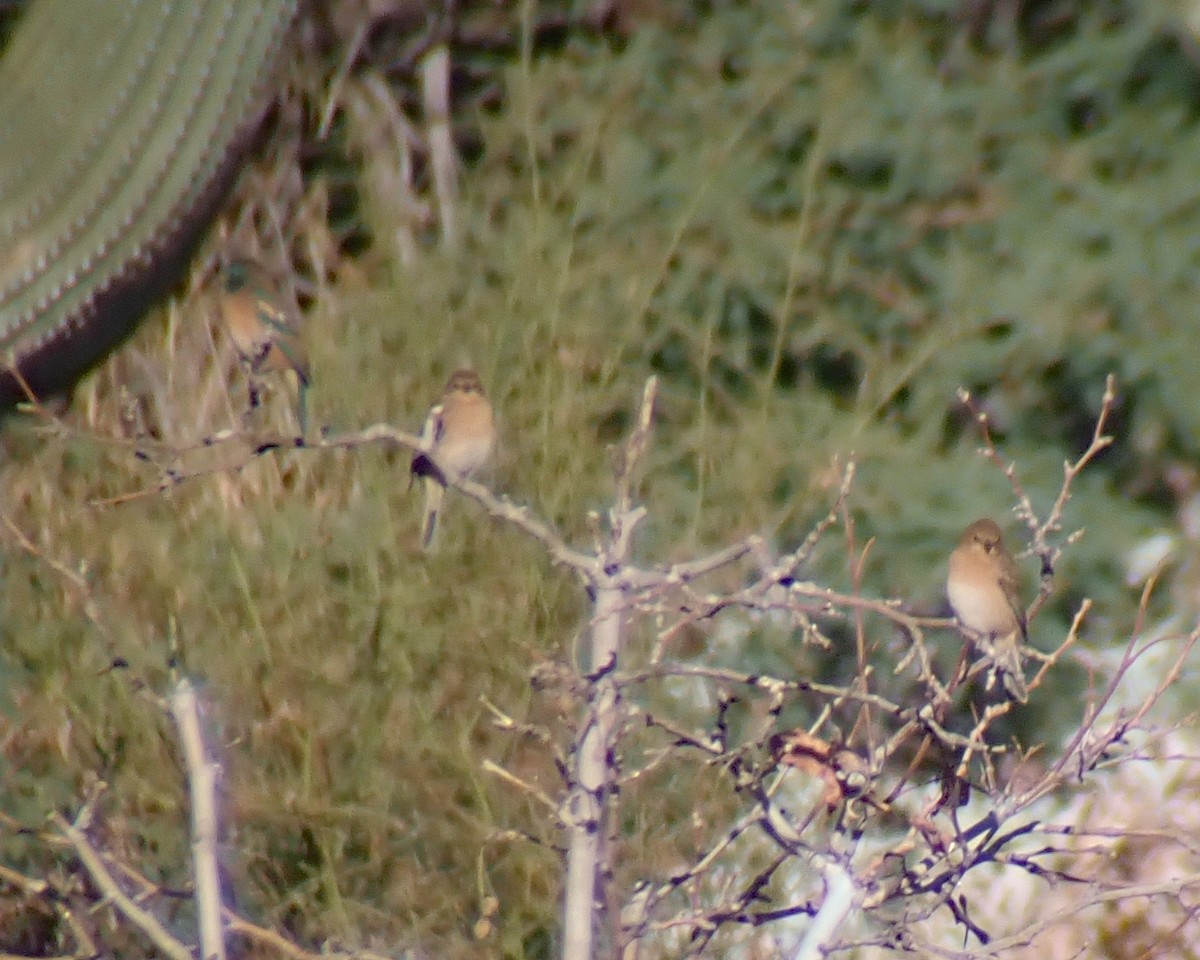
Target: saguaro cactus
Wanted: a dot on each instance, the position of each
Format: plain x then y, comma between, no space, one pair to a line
121,124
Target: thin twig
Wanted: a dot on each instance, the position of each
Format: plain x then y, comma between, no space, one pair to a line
139,917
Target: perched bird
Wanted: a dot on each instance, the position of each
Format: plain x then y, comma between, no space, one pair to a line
265,330
460,433
983,590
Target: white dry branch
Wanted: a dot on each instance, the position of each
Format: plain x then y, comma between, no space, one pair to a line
839,898
202,787
595,774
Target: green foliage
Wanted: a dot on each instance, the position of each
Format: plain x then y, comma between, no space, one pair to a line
815,224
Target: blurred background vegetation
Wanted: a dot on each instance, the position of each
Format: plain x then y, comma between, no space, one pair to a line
814,221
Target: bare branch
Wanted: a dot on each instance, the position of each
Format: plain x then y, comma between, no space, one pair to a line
839,894
202,785
140,918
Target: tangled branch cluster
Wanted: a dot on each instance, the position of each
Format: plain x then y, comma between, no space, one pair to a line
852,830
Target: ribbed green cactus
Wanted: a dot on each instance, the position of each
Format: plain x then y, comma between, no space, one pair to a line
121,122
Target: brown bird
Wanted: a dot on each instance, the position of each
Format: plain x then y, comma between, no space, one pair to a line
265,331
982,586
460,433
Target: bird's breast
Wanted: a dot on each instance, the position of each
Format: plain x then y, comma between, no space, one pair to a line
980,605
466,454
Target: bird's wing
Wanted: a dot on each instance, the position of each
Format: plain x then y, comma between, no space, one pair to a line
431,435
293,352
281,330
1010,584
435,426
274,318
